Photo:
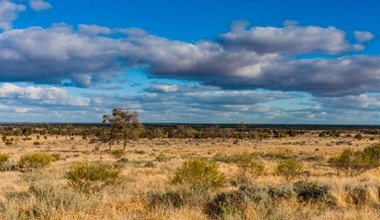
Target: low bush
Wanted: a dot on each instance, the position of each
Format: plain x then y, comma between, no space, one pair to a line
248,168
176,197
353,163
3,158
311,191
289,168
226,203
282,191
199,174
89,177
35,160
358,137
57,156
149,164
257,193
358,194
166,199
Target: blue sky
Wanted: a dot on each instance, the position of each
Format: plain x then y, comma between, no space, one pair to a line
312,62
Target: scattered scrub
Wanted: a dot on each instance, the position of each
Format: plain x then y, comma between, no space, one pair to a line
353,162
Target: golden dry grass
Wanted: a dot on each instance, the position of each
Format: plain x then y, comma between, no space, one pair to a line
128,200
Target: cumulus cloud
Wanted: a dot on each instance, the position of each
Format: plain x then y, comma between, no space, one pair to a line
363,36
288,39
39,5
8,13
51,55
39,95
93,29
214,64
243,59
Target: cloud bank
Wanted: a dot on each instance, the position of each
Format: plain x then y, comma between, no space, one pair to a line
254,58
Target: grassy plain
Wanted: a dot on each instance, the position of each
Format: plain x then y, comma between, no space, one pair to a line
151,163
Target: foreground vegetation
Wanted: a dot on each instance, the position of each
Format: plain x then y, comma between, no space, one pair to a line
182,172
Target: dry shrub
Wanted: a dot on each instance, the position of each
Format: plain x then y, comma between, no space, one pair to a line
3,158
281,191
200,175
312,191
35,160
361,194
248,168
354,163
89,177
178,197
289,168
226,203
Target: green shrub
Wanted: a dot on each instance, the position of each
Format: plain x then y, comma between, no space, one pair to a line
248,168
89,177
4,138
199,174
149,164
358,137
35,160
3,158
57,156
373,152
290,168
353,163
36,143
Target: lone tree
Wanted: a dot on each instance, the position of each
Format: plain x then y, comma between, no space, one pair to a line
124,126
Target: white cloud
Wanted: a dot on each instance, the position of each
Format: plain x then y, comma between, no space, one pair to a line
39,5
39,95
288,39
93,29
246,59
8,13
363,36
65,55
